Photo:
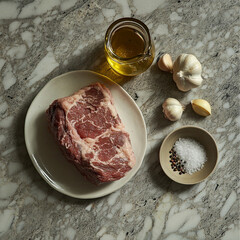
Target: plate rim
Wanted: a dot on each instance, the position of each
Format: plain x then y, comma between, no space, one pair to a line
42,172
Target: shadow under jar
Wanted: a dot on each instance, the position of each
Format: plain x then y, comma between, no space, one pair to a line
128,46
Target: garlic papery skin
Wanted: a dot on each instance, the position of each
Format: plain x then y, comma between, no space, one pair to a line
187,72
172,109
165,63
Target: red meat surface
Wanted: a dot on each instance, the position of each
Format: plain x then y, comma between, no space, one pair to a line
91,135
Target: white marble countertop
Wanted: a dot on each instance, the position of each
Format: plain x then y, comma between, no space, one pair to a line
41,39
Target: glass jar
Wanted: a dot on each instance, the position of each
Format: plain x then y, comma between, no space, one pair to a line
128,46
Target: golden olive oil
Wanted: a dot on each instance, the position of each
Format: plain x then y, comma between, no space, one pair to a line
127,43
129,49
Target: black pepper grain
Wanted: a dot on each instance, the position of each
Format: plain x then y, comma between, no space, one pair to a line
176,163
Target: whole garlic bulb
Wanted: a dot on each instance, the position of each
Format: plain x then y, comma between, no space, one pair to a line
172,109
187,72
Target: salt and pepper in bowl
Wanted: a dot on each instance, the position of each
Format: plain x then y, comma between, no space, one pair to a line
188,155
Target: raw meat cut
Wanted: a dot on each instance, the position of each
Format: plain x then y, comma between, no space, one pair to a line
91,135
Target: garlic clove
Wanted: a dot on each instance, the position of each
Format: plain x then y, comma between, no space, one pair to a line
165,63
201,107
172,109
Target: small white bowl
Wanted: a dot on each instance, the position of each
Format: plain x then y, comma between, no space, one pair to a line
201,136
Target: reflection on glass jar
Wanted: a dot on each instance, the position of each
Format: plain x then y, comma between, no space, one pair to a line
128,46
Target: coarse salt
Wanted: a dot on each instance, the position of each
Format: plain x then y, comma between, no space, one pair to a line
192,154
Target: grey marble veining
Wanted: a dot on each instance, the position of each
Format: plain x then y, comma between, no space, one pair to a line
41,39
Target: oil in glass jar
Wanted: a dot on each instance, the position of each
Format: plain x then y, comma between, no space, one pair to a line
128,47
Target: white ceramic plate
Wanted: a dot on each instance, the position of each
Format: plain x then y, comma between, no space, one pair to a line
46,155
